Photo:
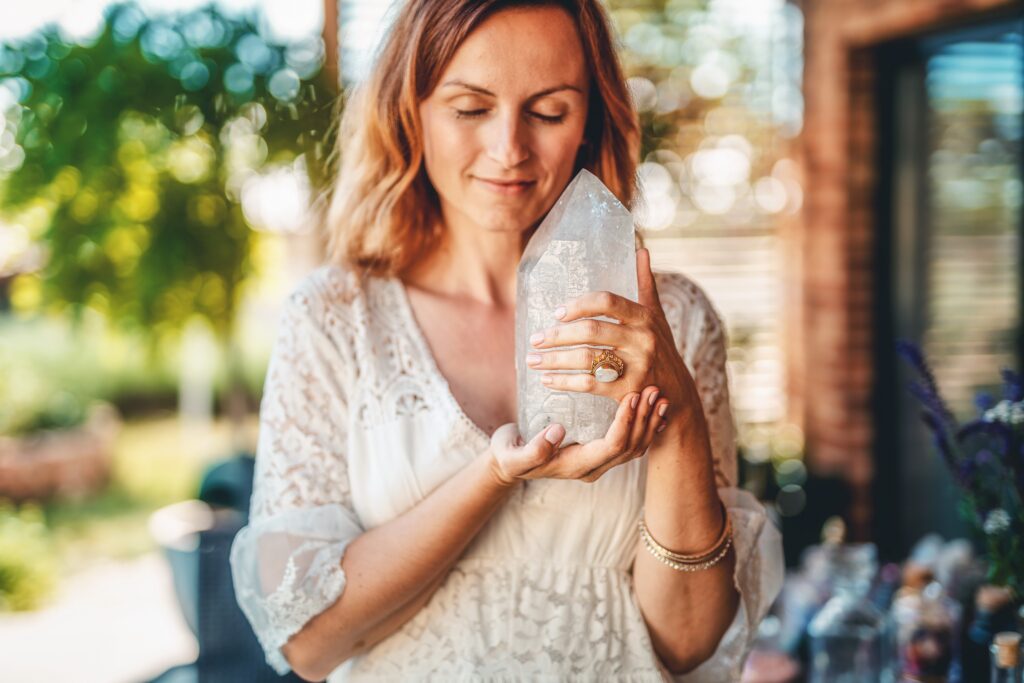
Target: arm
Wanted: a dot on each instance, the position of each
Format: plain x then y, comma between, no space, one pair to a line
392,569
316,585
703,624
395,621
687,613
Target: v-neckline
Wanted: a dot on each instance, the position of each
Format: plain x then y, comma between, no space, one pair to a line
419,338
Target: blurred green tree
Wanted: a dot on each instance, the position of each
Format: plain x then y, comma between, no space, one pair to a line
131,153
134,150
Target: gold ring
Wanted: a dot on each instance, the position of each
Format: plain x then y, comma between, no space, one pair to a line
607,367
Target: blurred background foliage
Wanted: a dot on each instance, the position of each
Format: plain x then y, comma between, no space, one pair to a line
27,558
135,151
150,174
123,165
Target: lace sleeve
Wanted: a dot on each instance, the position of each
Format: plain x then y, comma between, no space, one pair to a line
702,342
286,563
711,376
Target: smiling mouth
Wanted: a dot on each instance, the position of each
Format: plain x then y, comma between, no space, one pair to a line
507,187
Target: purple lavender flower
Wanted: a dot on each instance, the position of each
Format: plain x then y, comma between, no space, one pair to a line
998,437
926,390
967,470
983,400
1013,389
940,437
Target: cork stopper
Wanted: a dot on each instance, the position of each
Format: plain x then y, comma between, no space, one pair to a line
917,576
991,598
1006,649
833,532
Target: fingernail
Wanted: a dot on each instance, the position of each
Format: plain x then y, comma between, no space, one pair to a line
663,409
635,401
559,313
554,433
533,359
547,379
653,398
537,338
660,428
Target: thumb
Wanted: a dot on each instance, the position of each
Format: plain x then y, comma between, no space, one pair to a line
549,437
647,290
543,445
517,458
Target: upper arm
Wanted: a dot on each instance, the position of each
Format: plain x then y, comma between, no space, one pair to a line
301,460
286,563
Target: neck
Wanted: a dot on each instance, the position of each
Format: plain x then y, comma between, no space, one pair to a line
474,264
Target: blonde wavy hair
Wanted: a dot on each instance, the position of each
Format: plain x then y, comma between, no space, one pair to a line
382,213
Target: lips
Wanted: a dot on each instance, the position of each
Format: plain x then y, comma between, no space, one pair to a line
507,187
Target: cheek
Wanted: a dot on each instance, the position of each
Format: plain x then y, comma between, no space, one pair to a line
447,149
559,149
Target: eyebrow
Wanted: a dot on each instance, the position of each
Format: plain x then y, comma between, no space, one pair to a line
484,91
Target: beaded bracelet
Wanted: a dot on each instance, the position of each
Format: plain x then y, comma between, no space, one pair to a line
690,563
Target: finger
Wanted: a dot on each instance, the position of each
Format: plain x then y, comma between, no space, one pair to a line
587,331
658,424
581,358
559,466
647,290
646,409
644,425
615,439
516,458
609,304
582,382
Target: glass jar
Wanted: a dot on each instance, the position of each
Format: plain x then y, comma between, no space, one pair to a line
925,626
846,634
1006,667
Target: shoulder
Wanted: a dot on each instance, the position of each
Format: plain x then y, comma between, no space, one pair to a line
325,288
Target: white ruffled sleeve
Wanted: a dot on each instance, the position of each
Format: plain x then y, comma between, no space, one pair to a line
286,563
758,576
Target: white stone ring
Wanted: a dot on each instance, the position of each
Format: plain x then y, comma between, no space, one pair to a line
607,367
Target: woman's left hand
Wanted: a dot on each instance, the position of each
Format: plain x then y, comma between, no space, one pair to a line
642,339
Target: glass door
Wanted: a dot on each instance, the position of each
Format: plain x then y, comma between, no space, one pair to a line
950,250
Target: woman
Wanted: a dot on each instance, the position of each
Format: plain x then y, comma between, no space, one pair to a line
401,529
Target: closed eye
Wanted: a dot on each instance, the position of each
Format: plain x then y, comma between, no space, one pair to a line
547,119
477,113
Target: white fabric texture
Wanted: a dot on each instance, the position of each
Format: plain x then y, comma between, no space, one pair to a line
357,425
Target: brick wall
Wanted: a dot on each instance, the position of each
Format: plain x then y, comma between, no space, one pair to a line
830,369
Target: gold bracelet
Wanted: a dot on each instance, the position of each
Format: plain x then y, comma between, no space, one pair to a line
695,562
724,534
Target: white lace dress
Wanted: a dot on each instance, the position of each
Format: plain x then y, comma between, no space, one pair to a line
357,424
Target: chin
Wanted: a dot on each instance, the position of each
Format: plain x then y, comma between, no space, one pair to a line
508,223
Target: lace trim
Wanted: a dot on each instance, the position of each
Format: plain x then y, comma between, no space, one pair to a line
444,389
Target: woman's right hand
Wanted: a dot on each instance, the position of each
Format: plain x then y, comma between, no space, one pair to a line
629,435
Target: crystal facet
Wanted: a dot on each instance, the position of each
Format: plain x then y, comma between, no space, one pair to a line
585,244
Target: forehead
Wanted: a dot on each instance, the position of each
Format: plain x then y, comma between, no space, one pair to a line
524,49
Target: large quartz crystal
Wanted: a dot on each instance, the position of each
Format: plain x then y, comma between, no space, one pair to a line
584,244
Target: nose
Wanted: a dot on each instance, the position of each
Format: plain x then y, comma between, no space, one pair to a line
508,145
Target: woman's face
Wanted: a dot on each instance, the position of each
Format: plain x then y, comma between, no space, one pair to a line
503,126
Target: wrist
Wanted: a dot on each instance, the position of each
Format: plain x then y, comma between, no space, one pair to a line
686,432
495,478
